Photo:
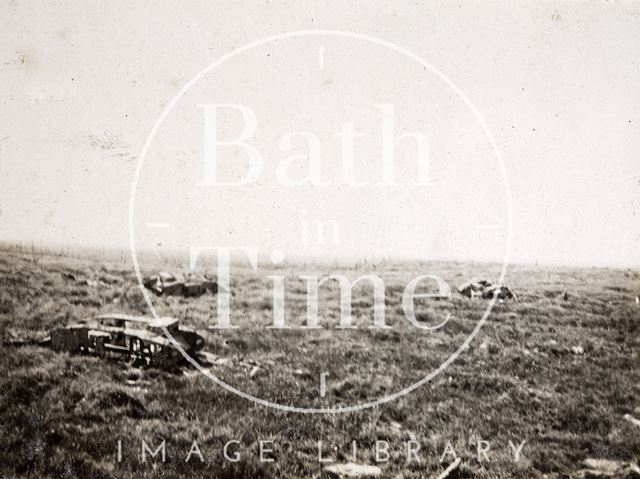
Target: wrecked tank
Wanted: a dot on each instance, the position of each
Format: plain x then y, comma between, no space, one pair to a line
137,338
167,284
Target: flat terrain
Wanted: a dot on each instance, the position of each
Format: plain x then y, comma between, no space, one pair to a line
560,374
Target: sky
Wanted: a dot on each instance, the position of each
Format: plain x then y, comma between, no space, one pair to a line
557,84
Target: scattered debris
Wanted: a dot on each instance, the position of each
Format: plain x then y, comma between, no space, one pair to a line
604,465
551,346
541,394
207,358
167,284
485,290
22,342
608,469
85,282
473,288
350,469
632,420
500,292
577,349
396,426
489,347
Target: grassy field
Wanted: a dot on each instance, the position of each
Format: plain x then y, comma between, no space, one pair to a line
559,374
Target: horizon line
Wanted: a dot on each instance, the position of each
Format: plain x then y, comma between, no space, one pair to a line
65,249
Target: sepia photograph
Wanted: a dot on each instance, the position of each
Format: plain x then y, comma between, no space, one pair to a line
320,239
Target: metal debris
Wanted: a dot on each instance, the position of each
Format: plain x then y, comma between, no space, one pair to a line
606,468
485,290
632,420
350,469
167,284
